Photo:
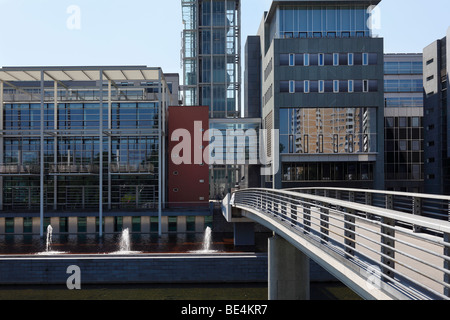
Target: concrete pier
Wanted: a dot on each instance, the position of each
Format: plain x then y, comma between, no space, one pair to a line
289,271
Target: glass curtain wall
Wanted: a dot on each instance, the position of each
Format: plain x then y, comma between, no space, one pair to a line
321,21
211,68
72,153
328,130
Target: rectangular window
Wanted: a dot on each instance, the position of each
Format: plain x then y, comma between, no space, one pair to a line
306,59
335,86
291,143
63,224
9,225
172,224
349,141
365,85
321,59
320,142
351,87
190,224
351,59
27,225
136,224
365,59
321,86
82,224
306,143
118,224
291,60
336,143
335,59
154,224
291,86
306,86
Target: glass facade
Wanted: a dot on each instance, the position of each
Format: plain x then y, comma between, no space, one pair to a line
328,130
327,171
404,148
211,54
240,145
403,67
404,130
316,21
72,161
129,147
403,85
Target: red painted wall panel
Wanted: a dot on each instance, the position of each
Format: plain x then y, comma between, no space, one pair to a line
188,183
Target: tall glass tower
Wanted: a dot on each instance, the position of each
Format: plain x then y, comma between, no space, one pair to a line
211,56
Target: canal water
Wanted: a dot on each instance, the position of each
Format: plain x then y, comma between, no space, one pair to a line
147,243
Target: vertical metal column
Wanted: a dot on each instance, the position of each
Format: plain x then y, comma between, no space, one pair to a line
109,145
388,244
447,263
160,107
1,142
349,233
100,147
41,134
55,146
417,210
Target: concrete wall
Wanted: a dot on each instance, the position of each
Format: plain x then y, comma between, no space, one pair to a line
145,269
156,269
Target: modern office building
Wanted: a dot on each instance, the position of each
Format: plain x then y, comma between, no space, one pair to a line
436,57
322,87
84,149
404,156
211,56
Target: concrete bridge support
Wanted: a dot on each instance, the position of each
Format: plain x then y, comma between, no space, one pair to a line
288,271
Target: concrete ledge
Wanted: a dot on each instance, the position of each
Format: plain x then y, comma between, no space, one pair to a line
144,269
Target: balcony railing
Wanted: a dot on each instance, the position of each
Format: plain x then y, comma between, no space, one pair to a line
15,168
73,169
147,168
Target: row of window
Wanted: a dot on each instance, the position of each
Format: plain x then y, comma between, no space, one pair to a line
404,148
333,34
79,116
326,86
328,171
320,18
403,67
403,85
403,102
136,224
328,59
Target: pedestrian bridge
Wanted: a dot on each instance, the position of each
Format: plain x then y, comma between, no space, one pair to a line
383,245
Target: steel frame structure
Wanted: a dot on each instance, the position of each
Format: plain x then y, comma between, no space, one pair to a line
98,79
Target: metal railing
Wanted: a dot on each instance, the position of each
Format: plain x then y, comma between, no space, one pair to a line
421,204
380,243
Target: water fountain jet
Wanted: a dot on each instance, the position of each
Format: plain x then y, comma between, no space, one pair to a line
48,243
207,241
125,243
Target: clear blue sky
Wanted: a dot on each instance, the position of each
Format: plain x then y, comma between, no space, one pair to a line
147,32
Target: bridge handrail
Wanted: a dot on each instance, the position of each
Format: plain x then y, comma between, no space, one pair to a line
431,205
365,235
